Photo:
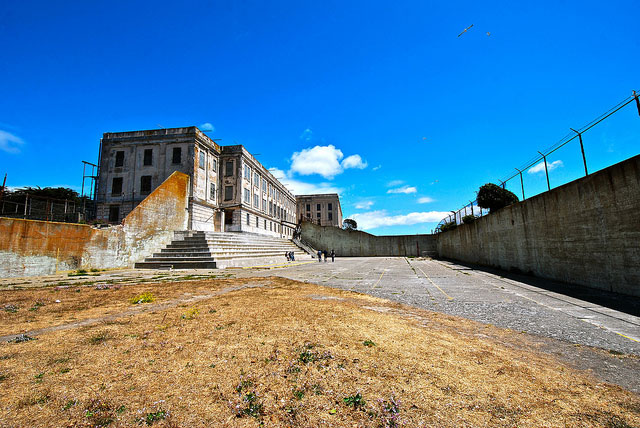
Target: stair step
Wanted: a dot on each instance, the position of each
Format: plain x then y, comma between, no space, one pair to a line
204,250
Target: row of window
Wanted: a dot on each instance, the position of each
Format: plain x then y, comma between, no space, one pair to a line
116,185
147,157
273,227
202,161
274,210
329,207
258,181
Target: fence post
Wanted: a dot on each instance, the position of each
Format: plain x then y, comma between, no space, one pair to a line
521,182
546,171
471,203
584,159
637,101
26,202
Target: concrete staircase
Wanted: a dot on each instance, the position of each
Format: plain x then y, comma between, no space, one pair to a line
210,250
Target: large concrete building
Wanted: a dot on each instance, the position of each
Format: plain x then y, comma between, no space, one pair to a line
322,209
229,189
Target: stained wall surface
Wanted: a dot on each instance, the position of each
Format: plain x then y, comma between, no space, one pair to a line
356,243
29,247
586,232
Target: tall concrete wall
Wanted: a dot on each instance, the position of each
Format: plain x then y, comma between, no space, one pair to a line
30,247
361,244
586,232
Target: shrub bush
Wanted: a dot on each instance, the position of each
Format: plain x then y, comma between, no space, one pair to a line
448,226
494,197
469,218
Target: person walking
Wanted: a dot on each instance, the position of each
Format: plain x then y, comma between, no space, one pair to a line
325,255
293,256
333,256
319,255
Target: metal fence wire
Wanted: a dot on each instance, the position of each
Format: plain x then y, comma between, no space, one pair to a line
474,210
48,209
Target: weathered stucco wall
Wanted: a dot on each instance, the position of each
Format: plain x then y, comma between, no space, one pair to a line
356,243
586,232
30,247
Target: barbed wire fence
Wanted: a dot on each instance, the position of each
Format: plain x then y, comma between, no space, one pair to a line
472,209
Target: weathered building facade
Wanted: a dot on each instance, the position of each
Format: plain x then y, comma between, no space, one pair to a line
321,209
229,189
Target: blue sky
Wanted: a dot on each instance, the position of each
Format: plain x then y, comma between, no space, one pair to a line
380,101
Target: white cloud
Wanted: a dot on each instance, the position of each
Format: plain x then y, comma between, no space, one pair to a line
540,167
207,127
403,189
10,143
425,200
323,160
373,219
298,187
375,168
364,205
353,161
306,135
394,183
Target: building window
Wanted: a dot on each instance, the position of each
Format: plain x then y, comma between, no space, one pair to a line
228,168
330,216
177,155
114,213
264,205
256,201
247,172
247,219
212,191
330,206
148,157
265,225
247,196
215,165
228,193
318,207
145,184
257,221
116,186
119,159
202,159
318,215
308,207
264,185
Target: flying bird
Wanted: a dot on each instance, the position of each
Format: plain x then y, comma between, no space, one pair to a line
465,30
488,33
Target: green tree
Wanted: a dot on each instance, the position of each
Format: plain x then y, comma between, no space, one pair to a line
493,197
349,224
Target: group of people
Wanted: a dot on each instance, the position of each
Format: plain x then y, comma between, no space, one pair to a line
321,253
291,257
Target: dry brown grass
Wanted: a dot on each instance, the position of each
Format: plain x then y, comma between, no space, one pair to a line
284,354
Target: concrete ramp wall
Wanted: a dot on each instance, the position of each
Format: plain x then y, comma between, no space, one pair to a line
356,243
586,232
29,247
